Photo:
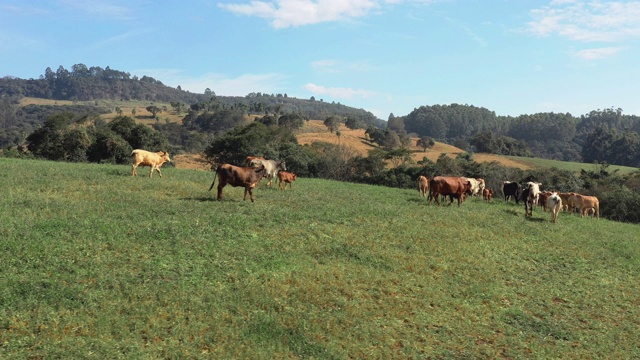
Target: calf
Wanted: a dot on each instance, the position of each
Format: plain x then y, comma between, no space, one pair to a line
287,178
585,203
147,158
487,194
423,185
554,203
247,177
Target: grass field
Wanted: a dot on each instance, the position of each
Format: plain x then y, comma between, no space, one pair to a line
566,165
97,264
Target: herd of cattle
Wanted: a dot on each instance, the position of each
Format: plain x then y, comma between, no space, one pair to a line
462,187
256,168
248,176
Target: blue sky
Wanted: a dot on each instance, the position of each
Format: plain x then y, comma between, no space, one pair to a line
386,56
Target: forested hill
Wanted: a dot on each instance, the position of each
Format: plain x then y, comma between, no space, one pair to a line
83,83
605,135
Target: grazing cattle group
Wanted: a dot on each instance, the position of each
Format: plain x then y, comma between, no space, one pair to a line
146,158
439,186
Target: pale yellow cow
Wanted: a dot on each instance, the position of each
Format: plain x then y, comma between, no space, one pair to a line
147,158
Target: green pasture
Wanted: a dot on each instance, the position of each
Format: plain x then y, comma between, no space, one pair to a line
568,165
97,264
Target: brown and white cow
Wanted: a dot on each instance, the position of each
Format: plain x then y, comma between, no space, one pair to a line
487,194
532,190
287,178
481,186
272,167
554,203
585,203
147,158
423,185
448,186
249,159
474,186
245,176
542,199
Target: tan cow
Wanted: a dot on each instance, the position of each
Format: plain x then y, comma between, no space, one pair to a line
423,185
287,178
554,203
585,203
147,158
566,204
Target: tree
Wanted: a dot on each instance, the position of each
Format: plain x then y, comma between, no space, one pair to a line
291,121
332,123
396,124
425,143
353,123
154,110
391,141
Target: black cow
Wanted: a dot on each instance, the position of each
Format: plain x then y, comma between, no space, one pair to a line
511,189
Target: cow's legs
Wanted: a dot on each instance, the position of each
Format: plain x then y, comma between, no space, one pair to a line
220,186
134,172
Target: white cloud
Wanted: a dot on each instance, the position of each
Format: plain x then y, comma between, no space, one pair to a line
605,21
325,66
292,13
339,92
599,53
218,83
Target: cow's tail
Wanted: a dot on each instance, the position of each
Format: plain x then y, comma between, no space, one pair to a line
214,179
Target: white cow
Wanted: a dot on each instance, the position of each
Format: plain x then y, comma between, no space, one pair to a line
554,203
271,166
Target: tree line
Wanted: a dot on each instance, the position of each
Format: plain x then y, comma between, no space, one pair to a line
545,135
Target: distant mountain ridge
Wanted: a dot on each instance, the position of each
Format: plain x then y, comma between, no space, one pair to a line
83,83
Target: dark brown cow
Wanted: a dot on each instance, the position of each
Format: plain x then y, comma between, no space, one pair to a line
286,178
448,186
248,177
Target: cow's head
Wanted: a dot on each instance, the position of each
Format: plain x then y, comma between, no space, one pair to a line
281,166
164,155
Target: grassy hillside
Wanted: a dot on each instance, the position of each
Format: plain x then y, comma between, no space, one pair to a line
97,264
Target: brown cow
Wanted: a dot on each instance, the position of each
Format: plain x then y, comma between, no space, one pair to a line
585,203
248,177
147,158
423,185
487,194
448,186
249,159
286,177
